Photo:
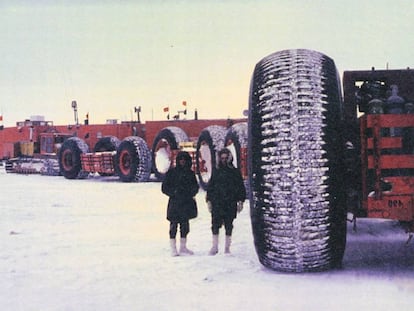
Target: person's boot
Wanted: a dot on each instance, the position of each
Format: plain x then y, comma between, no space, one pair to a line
173,245
227,244
183,247
214,248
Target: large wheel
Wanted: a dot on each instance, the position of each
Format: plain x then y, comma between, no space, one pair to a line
69,157
210,141
167,140
297,198
236,141
133,160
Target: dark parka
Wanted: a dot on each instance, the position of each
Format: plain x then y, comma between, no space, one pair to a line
181,186
225,189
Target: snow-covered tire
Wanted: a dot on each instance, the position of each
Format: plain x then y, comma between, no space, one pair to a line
167,140
209,143
133,160
236,140
297,197
107,143
69,157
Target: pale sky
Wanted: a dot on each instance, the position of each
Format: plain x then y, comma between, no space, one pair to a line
113,55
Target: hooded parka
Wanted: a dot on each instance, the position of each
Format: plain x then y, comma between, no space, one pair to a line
181,186
225,189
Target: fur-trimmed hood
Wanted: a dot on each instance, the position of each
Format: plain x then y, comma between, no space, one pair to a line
229,159
186,156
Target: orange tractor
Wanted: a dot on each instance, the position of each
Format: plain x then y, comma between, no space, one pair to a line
133,151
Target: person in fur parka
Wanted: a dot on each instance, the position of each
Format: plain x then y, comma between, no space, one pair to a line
225,196
180,185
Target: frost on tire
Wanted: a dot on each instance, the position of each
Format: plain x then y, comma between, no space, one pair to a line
133,160
210,141
167,140
296,171
69,158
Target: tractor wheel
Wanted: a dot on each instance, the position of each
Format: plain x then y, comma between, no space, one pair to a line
69,157
236,140
210,141
167,140
133,160
107,143
297,197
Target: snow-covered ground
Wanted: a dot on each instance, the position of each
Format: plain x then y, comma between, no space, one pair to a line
99,244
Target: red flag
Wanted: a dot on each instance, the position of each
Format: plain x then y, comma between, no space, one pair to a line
184,103
166,109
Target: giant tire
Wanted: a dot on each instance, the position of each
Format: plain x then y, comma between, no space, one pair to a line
297,198
235,140
69,157
133,160
167,139
210,141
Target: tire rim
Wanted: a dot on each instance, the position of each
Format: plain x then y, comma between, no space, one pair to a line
67,160
162,156
232,148
125,162
205,162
